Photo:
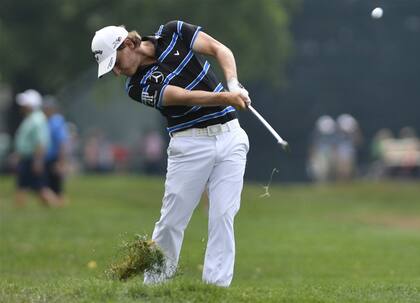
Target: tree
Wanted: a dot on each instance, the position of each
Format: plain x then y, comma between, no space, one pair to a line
46,43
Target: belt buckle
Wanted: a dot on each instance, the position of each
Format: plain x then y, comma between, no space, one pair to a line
214,130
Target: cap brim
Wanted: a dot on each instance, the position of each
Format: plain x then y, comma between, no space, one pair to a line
20,99
107,65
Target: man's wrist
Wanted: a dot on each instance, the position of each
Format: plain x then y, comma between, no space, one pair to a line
224,98
233,84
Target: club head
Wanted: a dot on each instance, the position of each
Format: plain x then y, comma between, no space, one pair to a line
285,146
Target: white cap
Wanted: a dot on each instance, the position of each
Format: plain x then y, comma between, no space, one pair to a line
325,125
104,47
30,98
347,123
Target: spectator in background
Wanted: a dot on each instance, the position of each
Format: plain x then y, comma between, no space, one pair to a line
73,165
57,151
152,150
396,157
120,155
91,151
322,151
4,150
31,144
98,154
380,143
409,146
348,140
105,156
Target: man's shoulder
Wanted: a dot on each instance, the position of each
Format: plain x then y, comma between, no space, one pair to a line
38,116
170,28
37,120
171,25
57,120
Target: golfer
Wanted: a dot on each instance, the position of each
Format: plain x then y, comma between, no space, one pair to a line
208,148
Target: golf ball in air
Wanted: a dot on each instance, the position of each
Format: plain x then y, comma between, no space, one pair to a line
377,13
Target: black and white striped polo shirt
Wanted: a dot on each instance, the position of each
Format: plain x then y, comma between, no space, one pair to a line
178,65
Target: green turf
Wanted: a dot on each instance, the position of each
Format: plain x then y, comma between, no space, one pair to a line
346,243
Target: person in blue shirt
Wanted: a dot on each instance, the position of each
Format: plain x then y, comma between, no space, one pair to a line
57,151
31,144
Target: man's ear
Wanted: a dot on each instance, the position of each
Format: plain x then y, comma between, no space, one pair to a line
129,43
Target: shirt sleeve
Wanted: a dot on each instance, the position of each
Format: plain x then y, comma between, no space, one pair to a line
150,94
186,32
41,134
62,132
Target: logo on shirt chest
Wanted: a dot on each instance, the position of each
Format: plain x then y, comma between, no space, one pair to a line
157,77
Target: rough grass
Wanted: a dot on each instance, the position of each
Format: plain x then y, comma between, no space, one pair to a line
137,255
355,242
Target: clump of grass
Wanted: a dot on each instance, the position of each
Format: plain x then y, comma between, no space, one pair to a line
137,256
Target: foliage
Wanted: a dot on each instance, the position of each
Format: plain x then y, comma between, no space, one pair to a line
48,42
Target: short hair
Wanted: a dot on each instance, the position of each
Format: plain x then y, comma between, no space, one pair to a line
135,37
49,101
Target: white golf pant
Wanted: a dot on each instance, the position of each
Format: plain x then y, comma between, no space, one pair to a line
197,158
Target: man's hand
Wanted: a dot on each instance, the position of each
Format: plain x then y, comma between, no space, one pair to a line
60,168
235,87
237,100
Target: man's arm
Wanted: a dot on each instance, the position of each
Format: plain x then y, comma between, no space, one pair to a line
60,166
62,138
207,45
176,96
38,160
42,138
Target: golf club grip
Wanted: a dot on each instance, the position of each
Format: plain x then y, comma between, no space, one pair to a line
267,125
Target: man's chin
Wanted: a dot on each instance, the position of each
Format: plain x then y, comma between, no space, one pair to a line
129,74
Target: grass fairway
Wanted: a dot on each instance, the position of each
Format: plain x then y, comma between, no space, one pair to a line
346,243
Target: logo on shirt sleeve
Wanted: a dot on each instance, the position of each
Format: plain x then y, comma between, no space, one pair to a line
157,77
149,99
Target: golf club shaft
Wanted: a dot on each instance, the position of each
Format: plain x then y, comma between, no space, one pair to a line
268,126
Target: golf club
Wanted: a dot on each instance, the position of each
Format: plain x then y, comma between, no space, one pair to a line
279,139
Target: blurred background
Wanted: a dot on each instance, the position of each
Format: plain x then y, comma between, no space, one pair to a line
340,86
